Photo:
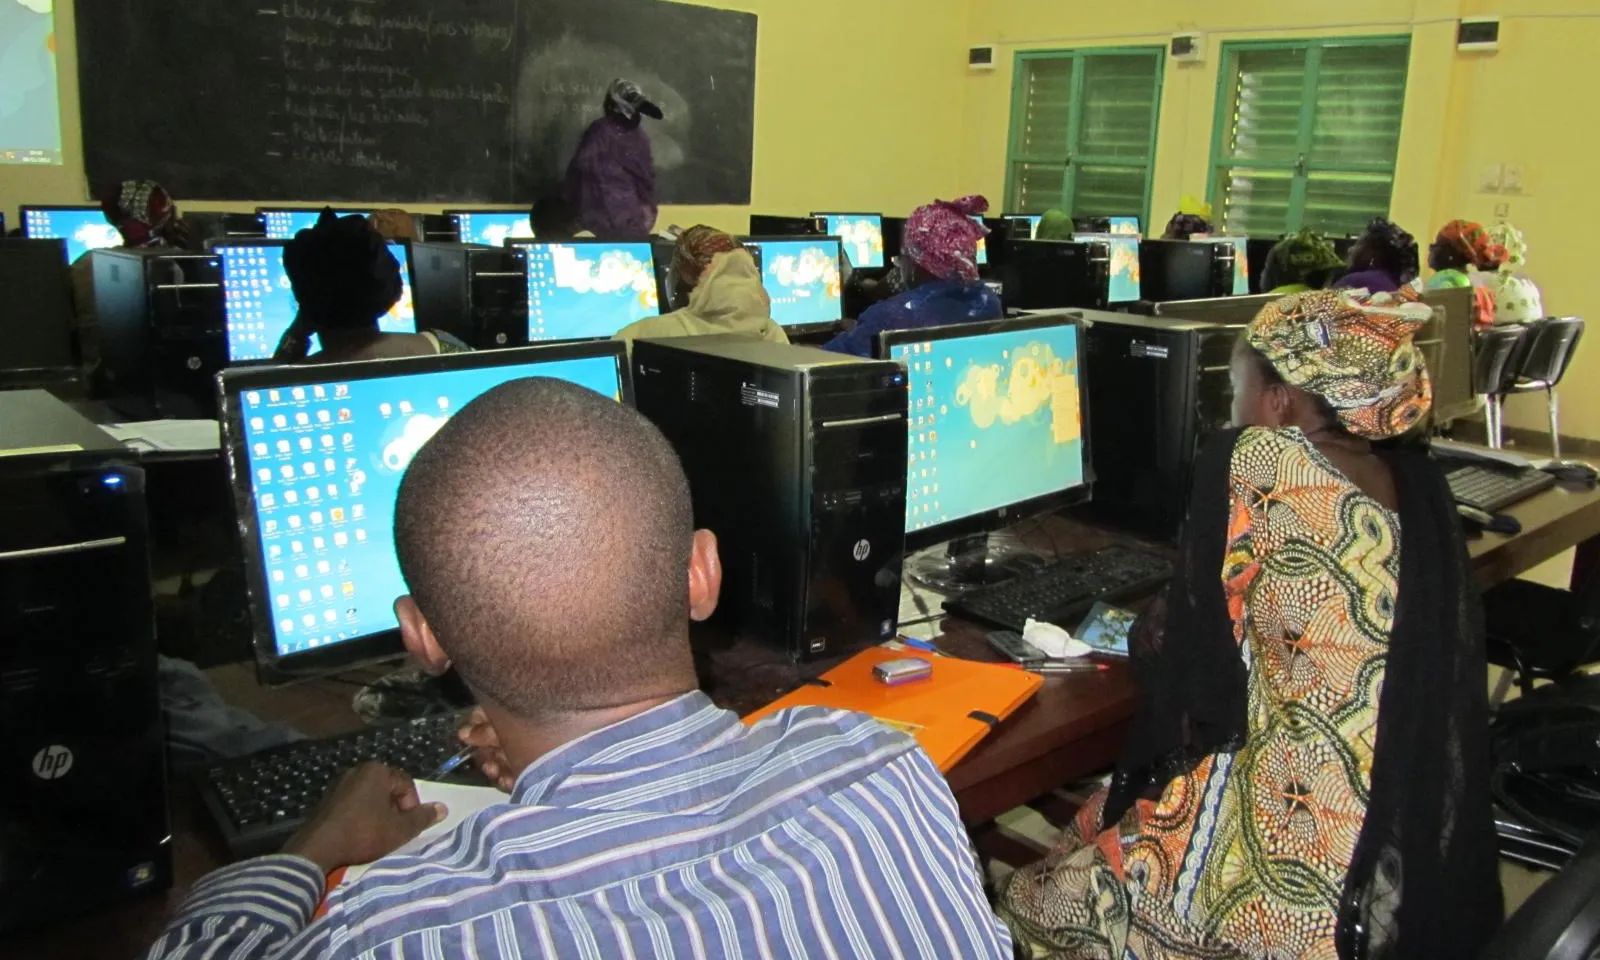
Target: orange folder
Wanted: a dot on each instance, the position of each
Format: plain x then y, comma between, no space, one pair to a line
948,713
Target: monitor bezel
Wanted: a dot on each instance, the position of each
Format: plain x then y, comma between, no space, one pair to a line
1001,517
212,244
655,270
808,326
275,668
454,213
22,213
338,212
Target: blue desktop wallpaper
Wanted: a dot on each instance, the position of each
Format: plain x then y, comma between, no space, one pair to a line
589,290
259,305
861,235
493,229
325,463
1124,285
1032,220
995,419
284,224
983,244
802,278
84,230
1128,226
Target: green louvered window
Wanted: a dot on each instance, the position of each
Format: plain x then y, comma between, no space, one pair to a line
1083,131
1306,134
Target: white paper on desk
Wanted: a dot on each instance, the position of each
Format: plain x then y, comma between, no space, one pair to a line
1054,642
168,435
460,802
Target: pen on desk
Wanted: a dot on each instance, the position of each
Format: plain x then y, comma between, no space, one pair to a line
915,644
1067,667
450,766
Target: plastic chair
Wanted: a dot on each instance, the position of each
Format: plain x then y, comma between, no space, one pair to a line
1561,921
1494,362
1551,344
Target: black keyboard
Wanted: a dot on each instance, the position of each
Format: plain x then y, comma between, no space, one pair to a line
260,800
1066,589
1492,489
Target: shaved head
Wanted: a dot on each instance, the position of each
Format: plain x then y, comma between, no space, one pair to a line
545,533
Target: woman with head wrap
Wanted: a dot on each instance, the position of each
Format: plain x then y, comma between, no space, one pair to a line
1182,226
1316,660
611,179
1462,256
1516,298
1383,260
345,281
940,264
718,285
1299,263
1055,224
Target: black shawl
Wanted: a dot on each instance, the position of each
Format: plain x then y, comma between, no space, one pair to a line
1423,881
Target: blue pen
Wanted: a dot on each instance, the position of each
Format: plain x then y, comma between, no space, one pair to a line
924,645
450,766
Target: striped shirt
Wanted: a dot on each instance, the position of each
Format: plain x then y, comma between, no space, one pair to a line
679,832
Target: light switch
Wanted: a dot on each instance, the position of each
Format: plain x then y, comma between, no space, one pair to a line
1511,178
1489,180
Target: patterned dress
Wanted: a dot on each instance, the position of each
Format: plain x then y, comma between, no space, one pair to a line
1245,855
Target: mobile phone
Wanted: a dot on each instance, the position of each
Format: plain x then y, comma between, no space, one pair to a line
893,673
1011,644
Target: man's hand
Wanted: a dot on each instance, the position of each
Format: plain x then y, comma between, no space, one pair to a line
491,758
371,812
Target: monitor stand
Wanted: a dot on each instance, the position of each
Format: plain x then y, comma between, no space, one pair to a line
974,561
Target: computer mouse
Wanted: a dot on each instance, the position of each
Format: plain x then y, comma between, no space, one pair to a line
1495,523
1573,471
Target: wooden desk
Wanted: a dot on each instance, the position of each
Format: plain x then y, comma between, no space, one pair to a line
1073,728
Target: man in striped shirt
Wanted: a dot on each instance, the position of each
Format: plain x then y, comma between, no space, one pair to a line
546,536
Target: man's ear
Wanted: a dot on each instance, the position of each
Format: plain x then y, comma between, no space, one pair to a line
418,637
705,576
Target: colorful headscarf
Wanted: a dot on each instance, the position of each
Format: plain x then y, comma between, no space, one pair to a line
1513,242
942,238
696,247
1055,225
1298,258
1472,243
1393,250
144,213
1182,226
1354,352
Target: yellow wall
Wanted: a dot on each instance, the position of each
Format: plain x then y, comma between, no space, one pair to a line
826,135
1520,105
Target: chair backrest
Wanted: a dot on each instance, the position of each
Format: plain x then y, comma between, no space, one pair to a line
1492,352
1551,344
1561,921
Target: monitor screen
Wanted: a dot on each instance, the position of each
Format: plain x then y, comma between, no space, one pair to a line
1029,226
282,223
259,306
861,235
995,420
588,289
1124,225
1124,274
983,244
83,228
318,462
492,228
802,279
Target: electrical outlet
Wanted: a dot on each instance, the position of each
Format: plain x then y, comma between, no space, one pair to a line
1511,178
1502,211
1490,179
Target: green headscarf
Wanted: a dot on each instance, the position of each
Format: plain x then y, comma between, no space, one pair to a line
1303,259
1054,225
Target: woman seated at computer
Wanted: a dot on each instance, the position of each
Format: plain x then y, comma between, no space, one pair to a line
344,279
1463,255
1383,259
719,286
1306,775
1299,263
939,267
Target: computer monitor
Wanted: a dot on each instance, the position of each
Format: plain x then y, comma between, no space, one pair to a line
1123,286
802,278
1241,261
83,228
586,289
491,228
983,243
316,454
861,234
1024,226
259,305
282,223
996,422
1182,270
766,225
1052,274
1123,225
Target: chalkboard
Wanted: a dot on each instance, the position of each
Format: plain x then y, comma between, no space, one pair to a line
465,101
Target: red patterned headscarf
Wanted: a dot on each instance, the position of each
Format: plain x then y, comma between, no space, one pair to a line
695,249
1473,243
942,238
144,213
1355,352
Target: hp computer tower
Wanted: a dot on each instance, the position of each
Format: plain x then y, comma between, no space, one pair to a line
83,803
1050,274
1161,386
161,330
479,294
36,314
797,462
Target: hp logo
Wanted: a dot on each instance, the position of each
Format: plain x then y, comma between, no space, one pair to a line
52,763
861,551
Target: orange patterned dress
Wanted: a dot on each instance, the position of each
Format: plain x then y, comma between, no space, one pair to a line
1246,855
